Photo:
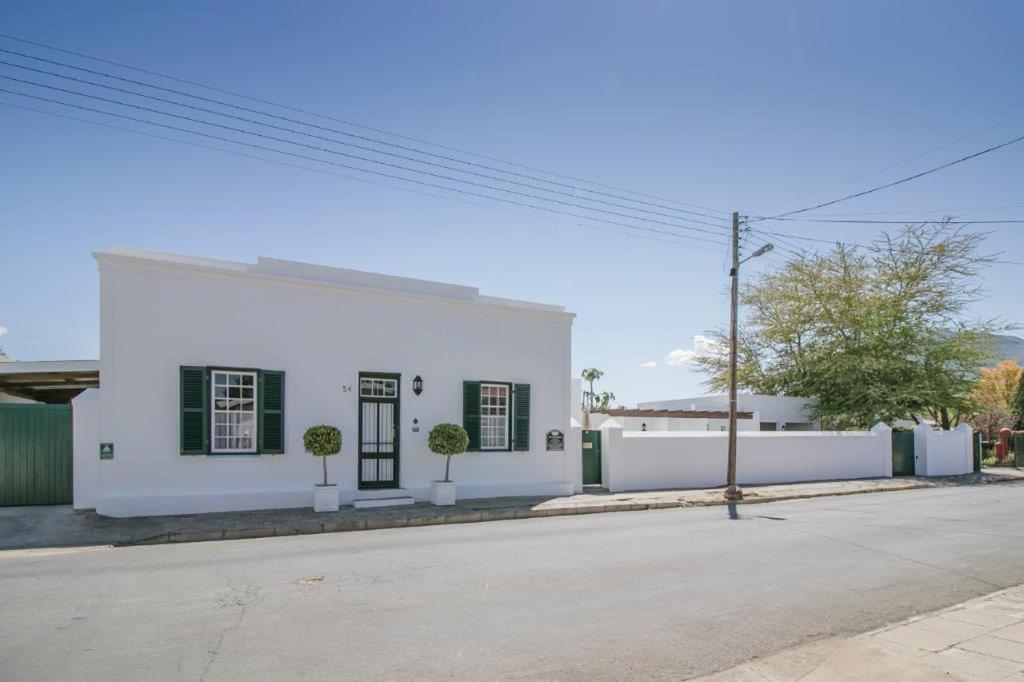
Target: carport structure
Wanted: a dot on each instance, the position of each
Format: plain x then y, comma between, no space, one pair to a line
36,437
49,381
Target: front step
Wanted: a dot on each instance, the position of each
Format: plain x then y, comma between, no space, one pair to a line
383,502
388,497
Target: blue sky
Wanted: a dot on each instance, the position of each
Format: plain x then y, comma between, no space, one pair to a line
730,105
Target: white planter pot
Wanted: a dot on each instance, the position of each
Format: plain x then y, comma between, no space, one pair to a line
325,498
442,494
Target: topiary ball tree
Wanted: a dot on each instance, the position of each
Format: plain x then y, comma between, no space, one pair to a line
448,440
322,441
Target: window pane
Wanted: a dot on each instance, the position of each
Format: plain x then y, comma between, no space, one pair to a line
234,411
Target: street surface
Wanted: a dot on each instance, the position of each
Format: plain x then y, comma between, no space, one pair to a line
664,593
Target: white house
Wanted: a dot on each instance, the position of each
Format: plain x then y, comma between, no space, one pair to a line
775,412
674,420
212,370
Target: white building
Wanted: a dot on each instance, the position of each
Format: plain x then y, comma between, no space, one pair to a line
212,370
774,412
673,420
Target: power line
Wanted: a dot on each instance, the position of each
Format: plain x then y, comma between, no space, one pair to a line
337,120
341,142
1010,221
903,180
929,210
898,163
356,168
322,171
353,156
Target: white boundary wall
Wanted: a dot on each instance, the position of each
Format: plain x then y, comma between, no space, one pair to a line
646,460
943,453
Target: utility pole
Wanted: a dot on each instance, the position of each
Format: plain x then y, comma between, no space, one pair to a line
733,491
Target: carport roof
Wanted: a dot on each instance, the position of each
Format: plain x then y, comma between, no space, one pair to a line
49,381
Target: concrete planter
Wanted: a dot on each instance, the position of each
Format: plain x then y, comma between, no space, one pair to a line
325,498
442,494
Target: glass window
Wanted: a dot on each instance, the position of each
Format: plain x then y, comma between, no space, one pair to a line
234,411
371,387
494,416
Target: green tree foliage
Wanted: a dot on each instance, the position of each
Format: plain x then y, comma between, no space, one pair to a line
448,440
322,441
872,334
1017,407
590,375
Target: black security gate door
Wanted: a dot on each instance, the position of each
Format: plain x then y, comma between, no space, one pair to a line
378,431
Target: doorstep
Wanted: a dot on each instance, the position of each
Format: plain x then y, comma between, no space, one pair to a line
28,527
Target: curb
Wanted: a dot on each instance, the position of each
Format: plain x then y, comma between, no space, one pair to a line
469,516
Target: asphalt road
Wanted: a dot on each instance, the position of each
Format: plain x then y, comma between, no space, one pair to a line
669,593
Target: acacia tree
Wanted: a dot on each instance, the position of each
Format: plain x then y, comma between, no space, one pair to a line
872,334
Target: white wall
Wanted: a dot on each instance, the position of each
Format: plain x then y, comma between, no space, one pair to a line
85,439
157,318
652,460
943,453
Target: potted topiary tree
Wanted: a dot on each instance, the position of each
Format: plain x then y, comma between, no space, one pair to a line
323,441
447,440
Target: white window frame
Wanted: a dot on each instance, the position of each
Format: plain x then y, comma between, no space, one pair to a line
214,450
507,444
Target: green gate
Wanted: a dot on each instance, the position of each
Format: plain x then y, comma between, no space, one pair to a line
35,454
1017,448
591,458
902,453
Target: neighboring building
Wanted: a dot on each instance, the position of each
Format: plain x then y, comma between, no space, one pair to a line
674,420
774,412
212,370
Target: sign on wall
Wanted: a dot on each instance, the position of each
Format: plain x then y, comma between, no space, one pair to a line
555,440
106,451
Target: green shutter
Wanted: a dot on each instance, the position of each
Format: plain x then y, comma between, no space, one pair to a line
471,412
521,418
271,412
195,411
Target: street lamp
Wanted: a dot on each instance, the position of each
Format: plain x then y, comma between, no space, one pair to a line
732,491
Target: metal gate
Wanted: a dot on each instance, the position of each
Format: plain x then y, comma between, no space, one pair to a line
902,453
378,431
35,454
591,458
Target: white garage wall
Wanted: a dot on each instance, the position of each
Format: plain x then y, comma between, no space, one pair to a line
651,460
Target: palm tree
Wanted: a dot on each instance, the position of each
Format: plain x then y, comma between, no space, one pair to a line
590,375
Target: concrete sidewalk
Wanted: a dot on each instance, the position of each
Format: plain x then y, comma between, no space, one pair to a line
25,527
982,639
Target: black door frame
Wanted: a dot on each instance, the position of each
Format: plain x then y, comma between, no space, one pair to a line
376,485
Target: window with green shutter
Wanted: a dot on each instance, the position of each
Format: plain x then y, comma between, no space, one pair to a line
521,417
220,407
471,412
195,411
271,410
496,415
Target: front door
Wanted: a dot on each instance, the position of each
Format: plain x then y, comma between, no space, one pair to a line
378,430
591,458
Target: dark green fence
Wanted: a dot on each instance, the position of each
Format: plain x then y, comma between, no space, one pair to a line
902,453
35,454
1017,448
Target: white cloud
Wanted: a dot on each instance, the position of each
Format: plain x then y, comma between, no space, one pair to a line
3,330
702,345
652,363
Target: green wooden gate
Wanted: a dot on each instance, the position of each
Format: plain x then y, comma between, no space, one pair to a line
1017,448
591,458
35,454
902,453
